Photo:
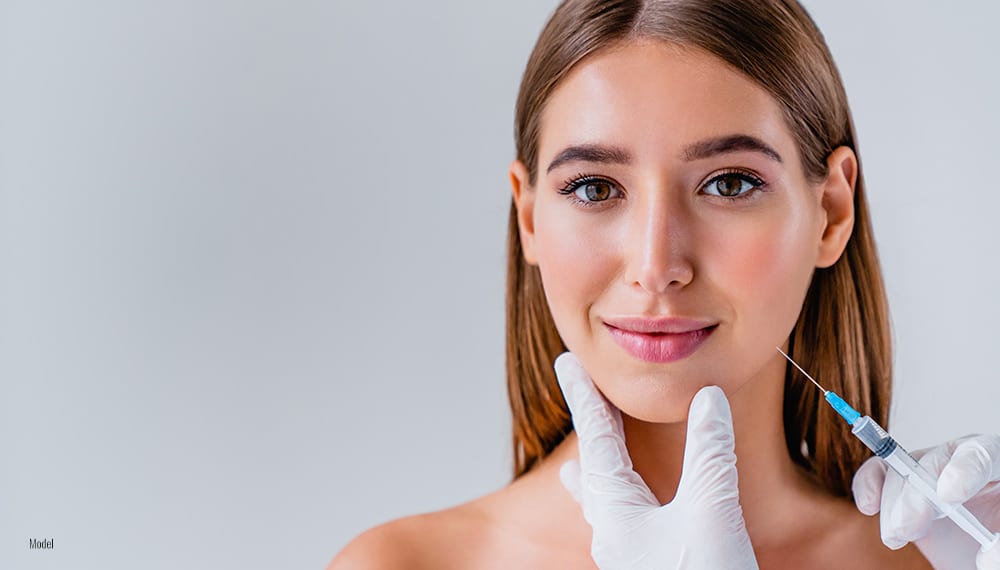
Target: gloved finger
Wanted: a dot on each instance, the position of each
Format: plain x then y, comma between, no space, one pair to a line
597,425
975,462
867,485
890,510
989,559
709,471
605,466
911,515
569,476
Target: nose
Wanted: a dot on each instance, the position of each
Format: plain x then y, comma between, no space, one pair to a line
658,255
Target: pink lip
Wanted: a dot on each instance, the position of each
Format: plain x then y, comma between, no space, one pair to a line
660,346
657,324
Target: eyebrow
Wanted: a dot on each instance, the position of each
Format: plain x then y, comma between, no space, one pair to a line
590,153
729,143
699,150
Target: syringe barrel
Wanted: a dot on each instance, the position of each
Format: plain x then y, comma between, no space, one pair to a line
880,442
872,435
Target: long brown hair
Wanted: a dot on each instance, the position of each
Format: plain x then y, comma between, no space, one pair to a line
842,335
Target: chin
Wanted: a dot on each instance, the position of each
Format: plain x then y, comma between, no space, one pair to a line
652,398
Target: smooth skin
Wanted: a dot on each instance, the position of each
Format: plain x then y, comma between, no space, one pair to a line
655,235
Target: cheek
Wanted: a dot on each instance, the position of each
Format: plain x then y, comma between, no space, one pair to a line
766,269
577,261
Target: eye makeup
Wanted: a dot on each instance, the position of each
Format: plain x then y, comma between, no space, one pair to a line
597,189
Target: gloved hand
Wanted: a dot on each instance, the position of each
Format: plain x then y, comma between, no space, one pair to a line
701,529
968,471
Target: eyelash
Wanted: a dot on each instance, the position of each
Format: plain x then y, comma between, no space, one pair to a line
570,187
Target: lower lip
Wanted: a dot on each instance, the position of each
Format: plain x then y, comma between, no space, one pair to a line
660,347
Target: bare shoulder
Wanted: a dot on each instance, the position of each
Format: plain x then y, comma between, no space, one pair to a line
859,542
388,546
833,534
529,523
908,557
431,540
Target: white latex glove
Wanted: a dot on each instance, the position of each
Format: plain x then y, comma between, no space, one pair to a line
701,529
968,471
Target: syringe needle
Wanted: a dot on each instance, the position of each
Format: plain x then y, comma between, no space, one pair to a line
880,442
802,371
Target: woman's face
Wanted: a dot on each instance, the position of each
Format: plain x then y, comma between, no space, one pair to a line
669,186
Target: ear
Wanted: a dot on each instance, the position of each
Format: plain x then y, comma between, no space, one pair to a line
524,201
837,200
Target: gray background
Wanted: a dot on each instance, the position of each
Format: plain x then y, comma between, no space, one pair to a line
252,260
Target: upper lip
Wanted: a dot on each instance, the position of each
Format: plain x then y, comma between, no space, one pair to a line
658,324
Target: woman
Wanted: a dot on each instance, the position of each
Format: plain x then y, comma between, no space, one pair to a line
687,197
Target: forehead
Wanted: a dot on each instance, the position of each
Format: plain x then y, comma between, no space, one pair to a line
652,97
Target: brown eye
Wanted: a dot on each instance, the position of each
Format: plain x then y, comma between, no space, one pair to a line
589,191
733,185
597,191
729,185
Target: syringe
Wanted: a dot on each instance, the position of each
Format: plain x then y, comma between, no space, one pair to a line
880,442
